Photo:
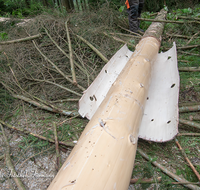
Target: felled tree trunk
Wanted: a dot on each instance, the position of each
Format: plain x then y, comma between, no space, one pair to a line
104,155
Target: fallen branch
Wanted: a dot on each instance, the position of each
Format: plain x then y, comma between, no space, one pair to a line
2,157
168,21
178,36
41,104
94,49
188,18
67,144
194,117
45,107
188,134
188,104
188,47
190,123
189,108
65,100
150,180
127,35
9,164
119,40
58,161
71,55
35,156
187,159
189,69
181,183
188,53
58,85
65,76
21,40
193,37
166,171
134,33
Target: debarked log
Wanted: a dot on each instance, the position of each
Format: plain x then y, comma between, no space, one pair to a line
104,155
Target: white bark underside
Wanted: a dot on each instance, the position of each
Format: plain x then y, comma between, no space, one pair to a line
160,119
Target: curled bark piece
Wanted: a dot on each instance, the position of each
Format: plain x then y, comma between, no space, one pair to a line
67,144
192,69
94,49
190,123
187,159
21,40
70,55
57,147
183,181
150,180
9,164
189,108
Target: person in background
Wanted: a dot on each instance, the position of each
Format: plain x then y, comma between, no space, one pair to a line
134,9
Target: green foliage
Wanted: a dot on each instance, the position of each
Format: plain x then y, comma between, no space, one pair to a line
121,9
3,36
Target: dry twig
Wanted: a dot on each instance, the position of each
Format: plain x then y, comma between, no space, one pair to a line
169,21
150,180
190,123
119,40
166,171
188,134
187,159
21,40
189,108
45,107
65,76
189,69
70,55
64,53
94,49
193,37
58,161
67,144
9,164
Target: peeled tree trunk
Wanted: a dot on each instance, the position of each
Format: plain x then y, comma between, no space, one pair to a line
104,155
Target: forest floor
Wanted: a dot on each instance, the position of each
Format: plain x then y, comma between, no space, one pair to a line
35,88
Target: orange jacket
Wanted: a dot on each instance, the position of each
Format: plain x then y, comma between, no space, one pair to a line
127,4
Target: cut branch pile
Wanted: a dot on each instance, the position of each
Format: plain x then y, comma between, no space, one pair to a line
53,60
